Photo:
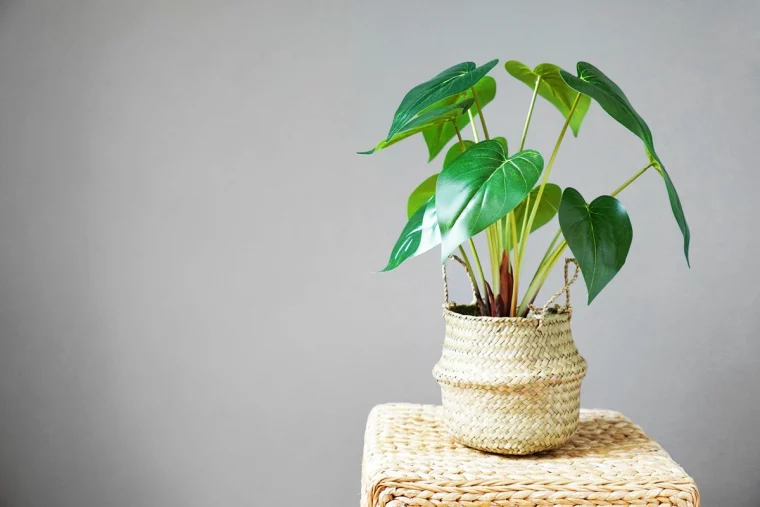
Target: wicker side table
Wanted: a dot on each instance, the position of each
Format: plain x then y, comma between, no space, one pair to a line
409,459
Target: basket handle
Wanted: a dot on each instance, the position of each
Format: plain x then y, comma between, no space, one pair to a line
446,302
537,312
540,312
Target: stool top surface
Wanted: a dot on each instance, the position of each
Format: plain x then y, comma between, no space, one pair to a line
410,459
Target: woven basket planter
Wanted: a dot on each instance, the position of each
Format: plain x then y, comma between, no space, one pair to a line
510,385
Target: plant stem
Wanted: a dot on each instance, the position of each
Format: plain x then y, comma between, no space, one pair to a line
459,135
549,166
480,112
524,225
551,246
547,171
472,124
494,244
477,262
499,241
464,258
504,234
493,231
533,287
530,114
513,227
554,257
466,261
631,180
540,277
522,145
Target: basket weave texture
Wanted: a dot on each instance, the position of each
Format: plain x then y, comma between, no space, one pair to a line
507,386
511,385
411,460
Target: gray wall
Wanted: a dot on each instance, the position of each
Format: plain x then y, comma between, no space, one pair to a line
188,314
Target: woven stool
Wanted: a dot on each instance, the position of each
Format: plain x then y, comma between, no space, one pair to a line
409,459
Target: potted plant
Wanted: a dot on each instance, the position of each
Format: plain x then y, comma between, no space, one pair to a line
510,374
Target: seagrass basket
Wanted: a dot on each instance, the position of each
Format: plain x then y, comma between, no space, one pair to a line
511,385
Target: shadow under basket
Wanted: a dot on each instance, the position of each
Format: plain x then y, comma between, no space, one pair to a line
511,385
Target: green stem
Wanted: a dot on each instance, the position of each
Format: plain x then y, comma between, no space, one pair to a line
477,262
480,112
472,124
465,258
523,225
504,234
499,242
556,254
493,246
541,274
547,171
530,114
522,145
539,277
549,166
551,246
459,136
631,180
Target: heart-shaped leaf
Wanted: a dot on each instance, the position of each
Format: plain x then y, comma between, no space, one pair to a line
599,235
592,82
420,234
427,119
547,208
481,186
426,189
438,136
451,81
552,88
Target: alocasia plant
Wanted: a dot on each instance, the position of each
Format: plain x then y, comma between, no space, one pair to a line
484,188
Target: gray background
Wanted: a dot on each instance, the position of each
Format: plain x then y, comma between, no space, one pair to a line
188,314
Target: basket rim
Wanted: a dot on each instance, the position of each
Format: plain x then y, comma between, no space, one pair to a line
555,312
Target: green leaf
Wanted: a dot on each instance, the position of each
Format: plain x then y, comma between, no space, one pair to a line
592,82
438,136
502,141
451,81
455,151
599,235
427,119
547,208
552,88
421,195
420,234
426,189
481,186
